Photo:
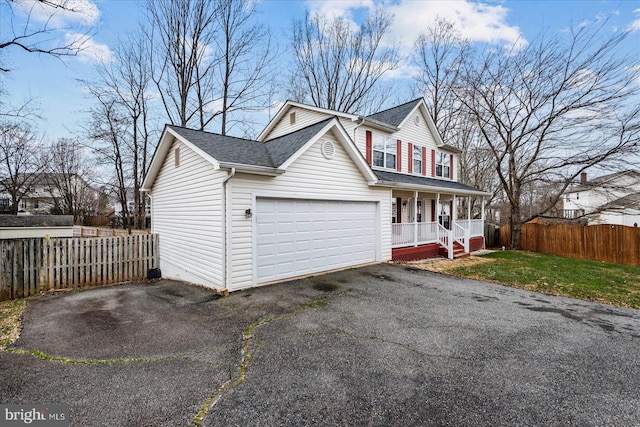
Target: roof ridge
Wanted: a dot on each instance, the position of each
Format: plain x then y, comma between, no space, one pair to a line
397,106
301,129
213,133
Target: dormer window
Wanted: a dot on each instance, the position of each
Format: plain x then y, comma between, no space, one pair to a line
443,165
384,152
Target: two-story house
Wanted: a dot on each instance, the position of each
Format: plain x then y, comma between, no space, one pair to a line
318,190
609,199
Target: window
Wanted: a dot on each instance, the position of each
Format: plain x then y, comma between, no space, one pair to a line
443,164
23,204
36,204
384,152
417,159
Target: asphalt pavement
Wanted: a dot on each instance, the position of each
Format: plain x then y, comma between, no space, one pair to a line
380,345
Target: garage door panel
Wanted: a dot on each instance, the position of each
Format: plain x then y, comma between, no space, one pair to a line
298,237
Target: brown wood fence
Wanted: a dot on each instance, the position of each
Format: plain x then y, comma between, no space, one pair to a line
611,243
30,266
82,231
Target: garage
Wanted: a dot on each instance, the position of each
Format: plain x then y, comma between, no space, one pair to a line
297,237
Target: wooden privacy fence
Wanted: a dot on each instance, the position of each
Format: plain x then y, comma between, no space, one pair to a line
82,231
29,266
611,243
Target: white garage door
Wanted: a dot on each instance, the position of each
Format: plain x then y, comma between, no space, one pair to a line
298,237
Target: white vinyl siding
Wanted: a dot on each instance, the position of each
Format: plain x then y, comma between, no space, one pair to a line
304,118
186,205
310,177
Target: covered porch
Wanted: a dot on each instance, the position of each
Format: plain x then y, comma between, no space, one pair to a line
429,224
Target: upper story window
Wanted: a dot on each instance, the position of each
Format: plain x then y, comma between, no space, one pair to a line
384,151
417,159
443,165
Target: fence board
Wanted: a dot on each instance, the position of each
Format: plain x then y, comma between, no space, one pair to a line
609,243
29,266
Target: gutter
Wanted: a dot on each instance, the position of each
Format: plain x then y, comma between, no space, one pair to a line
225,225
434,189
257,170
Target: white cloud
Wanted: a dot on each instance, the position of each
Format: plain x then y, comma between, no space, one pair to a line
60,12
89,50
477,22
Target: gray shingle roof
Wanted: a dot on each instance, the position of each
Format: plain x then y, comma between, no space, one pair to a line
601,180
228,149
421,180
394,116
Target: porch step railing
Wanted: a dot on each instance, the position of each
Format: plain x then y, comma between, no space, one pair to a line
475,226
445,239
461,235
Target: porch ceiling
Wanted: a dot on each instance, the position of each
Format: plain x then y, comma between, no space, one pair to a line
424,184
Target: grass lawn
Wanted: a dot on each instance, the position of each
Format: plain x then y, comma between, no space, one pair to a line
615,284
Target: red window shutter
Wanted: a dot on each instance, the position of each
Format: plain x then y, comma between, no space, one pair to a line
451,167
424,161
369,149
399,156
433,210
433,162
410,157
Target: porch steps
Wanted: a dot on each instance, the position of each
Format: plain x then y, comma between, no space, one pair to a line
458,251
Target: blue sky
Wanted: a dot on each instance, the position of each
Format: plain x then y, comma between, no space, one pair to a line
63,102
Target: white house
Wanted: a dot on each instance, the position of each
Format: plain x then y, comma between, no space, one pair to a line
608,199
318,190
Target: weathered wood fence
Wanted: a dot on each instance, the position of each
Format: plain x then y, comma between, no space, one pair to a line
610,243
29,266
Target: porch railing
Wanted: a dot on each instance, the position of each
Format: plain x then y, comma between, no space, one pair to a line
445,239
461,235
421,233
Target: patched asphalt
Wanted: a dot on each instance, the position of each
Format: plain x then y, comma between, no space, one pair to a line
381,345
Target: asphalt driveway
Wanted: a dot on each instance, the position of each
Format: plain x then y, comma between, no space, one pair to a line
381,345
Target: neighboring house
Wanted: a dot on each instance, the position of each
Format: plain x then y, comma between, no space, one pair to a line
43,195
318,190
608,199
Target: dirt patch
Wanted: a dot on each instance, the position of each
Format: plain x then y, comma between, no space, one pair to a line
10,325
446,266
325,287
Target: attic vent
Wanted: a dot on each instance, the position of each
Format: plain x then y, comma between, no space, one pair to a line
416,119
328,150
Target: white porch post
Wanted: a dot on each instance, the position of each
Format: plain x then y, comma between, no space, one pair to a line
454,211
415,218
437,215
482,211
468,211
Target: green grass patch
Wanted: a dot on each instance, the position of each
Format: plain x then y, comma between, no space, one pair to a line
615,284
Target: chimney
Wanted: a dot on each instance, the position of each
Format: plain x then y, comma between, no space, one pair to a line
583,178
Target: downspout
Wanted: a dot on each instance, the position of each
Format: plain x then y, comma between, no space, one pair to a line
225,225
356,128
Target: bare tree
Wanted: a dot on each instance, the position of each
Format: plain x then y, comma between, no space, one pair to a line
338,68
108,132
35,34
21,161
246,63
181,33
553,108
69,170
126,82
440,55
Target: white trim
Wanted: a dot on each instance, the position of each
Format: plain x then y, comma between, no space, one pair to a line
429,188
161,153
345,141
287,105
